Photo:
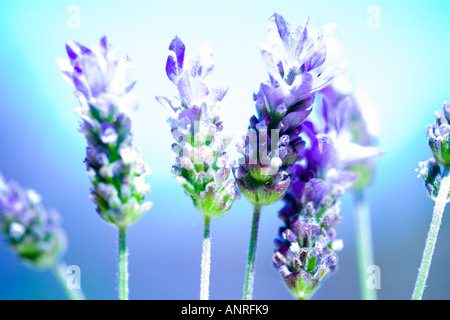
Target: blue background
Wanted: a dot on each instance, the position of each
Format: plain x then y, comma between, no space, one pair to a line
404,66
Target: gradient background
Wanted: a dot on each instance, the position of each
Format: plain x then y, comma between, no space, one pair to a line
404,66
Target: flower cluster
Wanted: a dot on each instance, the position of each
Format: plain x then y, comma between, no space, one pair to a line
202,166
273,143
32,231
103,81
438,135
306,248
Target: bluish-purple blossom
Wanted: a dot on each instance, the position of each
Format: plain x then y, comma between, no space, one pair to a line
33,231
307,243
202,166
438,134
273,142
103,81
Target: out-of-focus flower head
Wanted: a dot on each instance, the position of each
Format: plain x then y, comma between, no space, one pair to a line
31,230
273,143
103,81
353,121
202,166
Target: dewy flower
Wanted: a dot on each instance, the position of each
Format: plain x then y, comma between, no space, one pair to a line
436,175
438,134
103,81
31,230
202,166
306,248
273,141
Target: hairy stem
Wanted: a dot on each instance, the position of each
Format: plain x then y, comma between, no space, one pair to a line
123,265
430,243
250,274
364,244
206,261
59,270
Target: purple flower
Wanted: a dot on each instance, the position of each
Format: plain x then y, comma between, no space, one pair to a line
273,143
103,81
438,135
350,117
307,245
202,166
31,230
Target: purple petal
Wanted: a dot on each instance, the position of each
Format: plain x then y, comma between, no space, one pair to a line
283,27
81,84
341,180
174,65
89,67
104,46
316,190
193,115
293,119
302,33
74,50
317,59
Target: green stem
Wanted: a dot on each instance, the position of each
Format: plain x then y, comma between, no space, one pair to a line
206,261
59,271
364,244
430,243
250,274
123,265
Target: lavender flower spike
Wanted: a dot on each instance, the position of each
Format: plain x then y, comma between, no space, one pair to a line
202,166
436,175
273,142
306,248
33,231
103,81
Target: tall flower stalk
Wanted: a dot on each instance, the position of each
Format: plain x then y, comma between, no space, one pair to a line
306,250
359,120
436,174
273,143
202,166
34,232
103,81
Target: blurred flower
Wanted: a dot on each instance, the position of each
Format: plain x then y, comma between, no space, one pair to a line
31,230
354,121
202,166
103,81
273,141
